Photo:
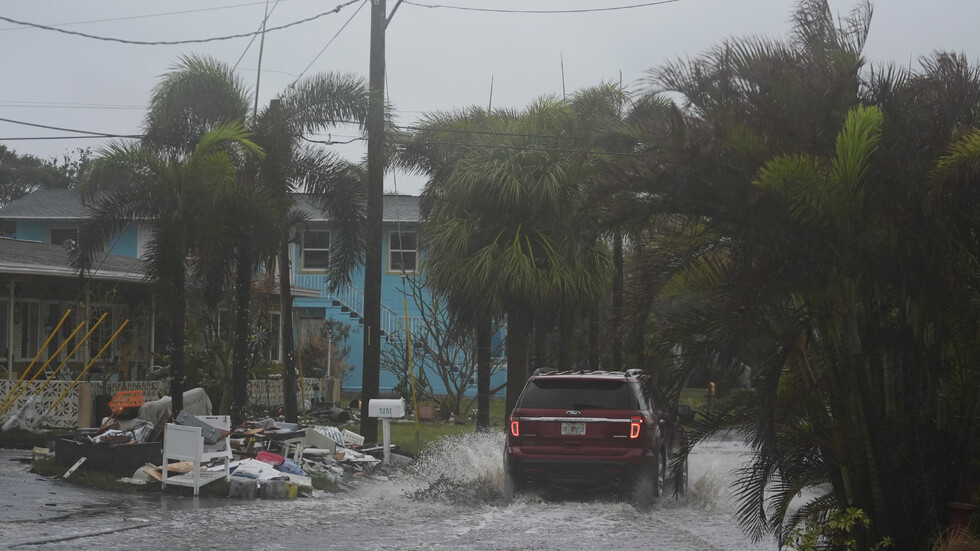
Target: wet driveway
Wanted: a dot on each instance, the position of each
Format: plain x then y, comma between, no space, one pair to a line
400,512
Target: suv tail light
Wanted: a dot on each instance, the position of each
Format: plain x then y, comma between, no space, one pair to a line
635,424
515,427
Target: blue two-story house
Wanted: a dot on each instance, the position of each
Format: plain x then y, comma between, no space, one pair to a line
53,216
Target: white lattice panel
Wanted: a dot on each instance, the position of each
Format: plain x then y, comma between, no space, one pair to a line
268,392
261,393
64,414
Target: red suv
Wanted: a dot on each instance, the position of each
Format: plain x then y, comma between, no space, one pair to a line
592,429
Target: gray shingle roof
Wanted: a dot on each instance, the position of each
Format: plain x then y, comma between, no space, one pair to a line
47,204
34,258
66,204
397,208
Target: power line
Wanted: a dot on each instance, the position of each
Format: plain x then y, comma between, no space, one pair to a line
329,43
45,126
532,148
261,26
91,134
175,42
146,16
24,138
583,10
65,105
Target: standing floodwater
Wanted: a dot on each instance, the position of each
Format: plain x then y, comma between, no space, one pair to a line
451,500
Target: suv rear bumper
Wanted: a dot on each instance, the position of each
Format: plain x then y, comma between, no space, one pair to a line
579,473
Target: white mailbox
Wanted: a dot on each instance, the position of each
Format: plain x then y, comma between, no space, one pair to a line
387,409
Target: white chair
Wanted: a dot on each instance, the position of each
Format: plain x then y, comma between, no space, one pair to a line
186,443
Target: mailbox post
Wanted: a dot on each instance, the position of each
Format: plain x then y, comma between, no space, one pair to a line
386,410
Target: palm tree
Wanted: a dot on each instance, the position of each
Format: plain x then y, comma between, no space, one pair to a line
497,220
201,93
175,195
825,244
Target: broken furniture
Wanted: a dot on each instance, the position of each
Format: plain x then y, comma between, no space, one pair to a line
187,443
120,459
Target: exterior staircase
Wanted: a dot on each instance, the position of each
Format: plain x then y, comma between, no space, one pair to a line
350,300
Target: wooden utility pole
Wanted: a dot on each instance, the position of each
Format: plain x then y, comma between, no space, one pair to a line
371,374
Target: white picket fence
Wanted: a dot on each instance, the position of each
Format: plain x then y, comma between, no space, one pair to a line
261,394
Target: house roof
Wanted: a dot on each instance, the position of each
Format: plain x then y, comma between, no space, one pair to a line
397,208
47,204
66,204
34,258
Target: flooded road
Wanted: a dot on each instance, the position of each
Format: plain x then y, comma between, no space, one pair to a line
451,501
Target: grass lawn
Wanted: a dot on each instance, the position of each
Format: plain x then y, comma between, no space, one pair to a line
697,398
403,432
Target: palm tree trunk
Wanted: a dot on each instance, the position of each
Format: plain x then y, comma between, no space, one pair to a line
540,344
566,327
518,346
239,354
288,350
483,366
593,338
886,483
617,304
178,340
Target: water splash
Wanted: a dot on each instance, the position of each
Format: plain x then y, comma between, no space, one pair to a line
465,470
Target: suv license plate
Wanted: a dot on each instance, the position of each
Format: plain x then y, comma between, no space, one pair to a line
573,429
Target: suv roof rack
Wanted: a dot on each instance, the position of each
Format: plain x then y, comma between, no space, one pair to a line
543,371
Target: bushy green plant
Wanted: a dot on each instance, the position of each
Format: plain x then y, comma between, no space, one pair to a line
843,530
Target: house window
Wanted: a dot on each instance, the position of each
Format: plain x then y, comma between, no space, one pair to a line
63,236
52,312
116,315
27,316
403,252
315,250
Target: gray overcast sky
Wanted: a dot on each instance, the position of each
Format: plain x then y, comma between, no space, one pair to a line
437,58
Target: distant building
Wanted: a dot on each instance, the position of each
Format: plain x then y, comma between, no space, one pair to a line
50,218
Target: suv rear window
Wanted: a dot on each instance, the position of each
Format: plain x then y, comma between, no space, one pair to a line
581,394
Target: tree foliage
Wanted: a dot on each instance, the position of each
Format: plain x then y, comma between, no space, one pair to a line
812,218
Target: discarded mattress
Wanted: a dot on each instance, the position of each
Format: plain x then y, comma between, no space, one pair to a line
196,402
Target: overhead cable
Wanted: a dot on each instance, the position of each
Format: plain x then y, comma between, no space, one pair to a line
145,16
344,26
583,10
175,42
89,132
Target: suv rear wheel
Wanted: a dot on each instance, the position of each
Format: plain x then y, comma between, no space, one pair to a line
650,480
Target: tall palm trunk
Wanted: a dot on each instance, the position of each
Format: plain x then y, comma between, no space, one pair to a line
593,337
884,474
288,351
484,336
616,323
239,354
518,346
178,340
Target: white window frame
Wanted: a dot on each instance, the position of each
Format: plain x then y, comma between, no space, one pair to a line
24,304
118,313
393,251
303,249
66,328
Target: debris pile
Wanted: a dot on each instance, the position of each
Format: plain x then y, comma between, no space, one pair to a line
260,458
